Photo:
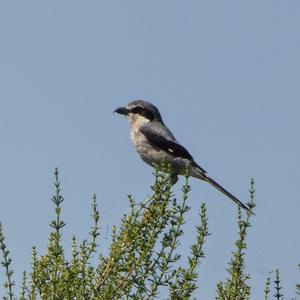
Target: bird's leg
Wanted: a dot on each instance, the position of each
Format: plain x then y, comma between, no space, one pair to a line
174,178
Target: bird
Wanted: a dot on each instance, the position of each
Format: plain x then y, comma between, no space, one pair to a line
155,143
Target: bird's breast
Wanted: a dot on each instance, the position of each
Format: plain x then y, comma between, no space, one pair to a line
147,152
136,123
153,155
134,135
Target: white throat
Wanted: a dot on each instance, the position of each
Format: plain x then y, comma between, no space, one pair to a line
136,122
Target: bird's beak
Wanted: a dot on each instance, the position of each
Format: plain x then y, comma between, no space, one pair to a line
122,111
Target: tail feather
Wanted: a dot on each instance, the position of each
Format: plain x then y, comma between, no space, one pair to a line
200,173
225,192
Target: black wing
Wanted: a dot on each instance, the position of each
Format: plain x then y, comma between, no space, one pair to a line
168,145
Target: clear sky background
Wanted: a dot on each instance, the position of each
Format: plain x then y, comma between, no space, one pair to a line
225,75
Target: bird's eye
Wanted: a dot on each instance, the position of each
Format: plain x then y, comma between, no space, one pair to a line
137,110
143,112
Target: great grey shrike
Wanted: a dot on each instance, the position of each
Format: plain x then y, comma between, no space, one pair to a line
155,143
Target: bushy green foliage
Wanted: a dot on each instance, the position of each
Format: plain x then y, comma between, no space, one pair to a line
298,285
278,287
267,288
52,276
143,261
143,255
6,262
236,286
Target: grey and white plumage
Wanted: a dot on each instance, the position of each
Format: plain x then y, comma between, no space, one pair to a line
154,142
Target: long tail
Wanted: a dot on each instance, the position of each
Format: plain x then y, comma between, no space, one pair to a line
201,174
229,195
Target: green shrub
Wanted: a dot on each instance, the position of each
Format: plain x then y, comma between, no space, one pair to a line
143,261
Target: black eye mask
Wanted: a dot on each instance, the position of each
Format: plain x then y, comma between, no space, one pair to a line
143,112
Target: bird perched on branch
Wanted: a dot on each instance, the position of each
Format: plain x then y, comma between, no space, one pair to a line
155,143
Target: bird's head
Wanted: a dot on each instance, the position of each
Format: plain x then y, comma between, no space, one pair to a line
140,111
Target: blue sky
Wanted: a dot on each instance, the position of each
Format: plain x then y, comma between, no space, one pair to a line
225,75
